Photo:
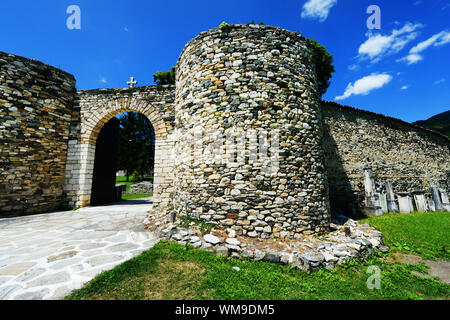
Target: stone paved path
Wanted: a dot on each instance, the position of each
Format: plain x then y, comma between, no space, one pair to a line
47,256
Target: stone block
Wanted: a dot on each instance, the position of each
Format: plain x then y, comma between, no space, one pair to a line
404,202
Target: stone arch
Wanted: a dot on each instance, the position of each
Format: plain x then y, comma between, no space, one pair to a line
98,119
96,109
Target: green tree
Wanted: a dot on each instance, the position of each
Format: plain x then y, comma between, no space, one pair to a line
323,61
165,77
136,145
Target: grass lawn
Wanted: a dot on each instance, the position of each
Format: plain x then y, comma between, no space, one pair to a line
423,234
123,180
170,271
126,197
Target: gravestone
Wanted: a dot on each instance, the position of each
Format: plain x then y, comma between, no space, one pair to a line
437,199
419,200
391,202
405,202
118,194
383,202
120,190
373,207
411,204
122,187
444,198
431,205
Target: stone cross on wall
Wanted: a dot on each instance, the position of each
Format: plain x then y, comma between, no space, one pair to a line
132,82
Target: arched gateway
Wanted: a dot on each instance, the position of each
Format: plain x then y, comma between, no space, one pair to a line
93,110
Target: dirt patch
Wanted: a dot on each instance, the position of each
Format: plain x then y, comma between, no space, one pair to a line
173,280
439,268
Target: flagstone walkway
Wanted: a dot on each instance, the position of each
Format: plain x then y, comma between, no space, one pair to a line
47,256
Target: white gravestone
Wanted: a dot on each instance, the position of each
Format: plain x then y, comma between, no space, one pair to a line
444,198
391,202
404,202
420,201
383,202
373,207
431,205
437,199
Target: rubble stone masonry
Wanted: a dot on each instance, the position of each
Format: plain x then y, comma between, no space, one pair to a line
231,82
242,140
411,157
35,112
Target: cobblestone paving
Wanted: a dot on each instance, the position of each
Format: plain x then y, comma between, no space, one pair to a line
47,256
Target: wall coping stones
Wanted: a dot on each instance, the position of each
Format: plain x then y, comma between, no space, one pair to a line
218,33
36,62
384,117
127,90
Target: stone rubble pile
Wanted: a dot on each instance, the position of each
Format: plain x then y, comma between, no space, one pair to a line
145,187
311,252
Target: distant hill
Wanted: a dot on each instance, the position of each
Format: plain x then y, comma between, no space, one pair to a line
439,123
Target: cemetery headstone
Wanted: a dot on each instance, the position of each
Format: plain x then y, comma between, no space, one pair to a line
404,202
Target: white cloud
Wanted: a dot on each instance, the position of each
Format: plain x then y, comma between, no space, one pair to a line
440,81
377,45
404,87
411,58
318,9
354,67
102,79
365,85
444,39
439,39
436,40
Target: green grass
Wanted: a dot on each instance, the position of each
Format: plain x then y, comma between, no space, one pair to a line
123,180
201,224
169,271
125,197
424,234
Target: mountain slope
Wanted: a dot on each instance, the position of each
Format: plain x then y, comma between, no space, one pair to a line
439,123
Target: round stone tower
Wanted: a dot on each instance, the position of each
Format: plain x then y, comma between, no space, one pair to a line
248,128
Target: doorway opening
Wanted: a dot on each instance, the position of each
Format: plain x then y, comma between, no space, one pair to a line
124,160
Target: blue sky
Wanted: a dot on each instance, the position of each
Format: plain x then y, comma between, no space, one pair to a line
401,70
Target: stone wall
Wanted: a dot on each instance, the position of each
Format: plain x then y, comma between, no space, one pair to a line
234,86
413,158
93,109
35,112
242,140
